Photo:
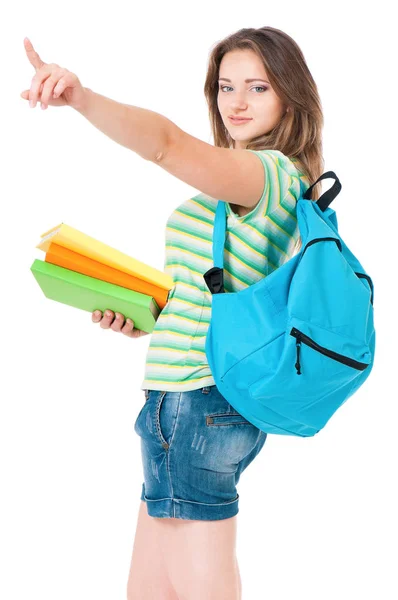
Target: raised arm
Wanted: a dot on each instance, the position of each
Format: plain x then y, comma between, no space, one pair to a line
143,131
235,176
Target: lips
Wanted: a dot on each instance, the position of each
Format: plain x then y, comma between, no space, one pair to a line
239,119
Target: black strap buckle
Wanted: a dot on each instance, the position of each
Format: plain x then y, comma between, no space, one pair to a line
214,279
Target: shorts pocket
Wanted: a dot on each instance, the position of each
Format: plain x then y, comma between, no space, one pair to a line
164,428
136,427
230,438
217,419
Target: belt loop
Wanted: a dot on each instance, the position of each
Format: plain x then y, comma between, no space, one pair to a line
205,389
146,394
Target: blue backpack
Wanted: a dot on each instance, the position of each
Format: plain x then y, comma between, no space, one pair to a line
289,350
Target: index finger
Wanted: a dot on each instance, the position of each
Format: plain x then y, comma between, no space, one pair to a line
34,58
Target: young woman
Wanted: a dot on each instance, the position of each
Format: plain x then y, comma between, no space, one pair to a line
266,119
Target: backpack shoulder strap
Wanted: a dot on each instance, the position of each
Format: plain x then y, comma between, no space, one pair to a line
328,197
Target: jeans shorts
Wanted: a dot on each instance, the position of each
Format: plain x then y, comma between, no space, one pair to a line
194,447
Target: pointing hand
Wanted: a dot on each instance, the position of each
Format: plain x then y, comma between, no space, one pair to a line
52,85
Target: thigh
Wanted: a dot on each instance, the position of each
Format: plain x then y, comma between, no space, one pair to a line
148,576
201,558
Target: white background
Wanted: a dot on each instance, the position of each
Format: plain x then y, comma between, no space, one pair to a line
317,516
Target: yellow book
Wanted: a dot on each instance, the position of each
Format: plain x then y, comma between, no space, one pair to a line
75,240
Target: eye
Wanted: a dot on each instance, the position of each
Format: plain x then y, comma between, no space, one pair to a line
261,87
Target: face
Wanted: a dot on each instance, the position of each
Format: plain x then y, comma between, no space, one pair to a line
254,99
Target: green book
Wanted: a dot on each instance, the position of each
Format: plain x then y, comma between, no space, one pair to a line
89,293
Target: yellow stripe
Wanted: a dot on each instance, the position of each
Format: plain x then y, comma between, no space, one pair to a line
201,307
194,237
212,213
187,285
284,209
170,366
250,248
280,228
266,238
171,333
244,265
179,250
181,382
198,306
190,271
159,332
181,350
185,216
176,350
177,316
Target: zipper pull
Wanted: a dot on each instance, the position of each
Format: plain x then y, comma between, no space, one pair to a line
298,346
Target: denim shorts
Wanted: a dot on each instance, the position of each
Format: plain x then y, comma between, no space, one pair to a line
194,447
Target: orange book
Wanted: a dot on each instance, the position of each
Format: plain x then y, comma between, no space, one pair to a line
83,244
64,257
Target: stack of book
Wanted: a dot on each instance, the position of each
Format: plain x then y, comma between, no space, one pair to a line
83,272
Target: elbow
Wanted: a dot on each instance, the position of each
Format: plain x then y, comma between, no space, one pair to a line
162,150
159,156
171,135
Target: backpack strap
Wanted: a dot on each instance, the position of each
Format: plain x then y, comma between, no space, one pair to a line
328,197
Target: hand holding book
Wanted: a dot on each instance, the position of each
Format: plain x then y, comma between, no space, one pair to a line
116,321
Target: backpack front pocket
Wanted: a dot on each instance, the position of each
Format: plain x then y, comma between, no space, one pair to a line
305,339
328,364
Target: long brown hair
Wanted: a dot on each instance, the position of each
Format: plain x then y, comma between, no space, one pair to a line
298,134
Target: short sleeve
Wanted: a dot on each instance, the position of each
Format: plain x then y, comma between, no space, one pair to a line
282,185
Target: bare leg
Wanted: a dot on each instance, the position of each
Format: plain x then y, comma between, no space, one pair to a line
148,577
201,558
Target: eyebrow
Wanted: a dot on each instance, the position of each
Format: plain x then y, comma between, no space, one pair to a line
246,80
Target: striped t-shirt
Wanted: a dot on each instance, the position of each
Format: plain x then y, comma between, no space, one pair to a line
255,245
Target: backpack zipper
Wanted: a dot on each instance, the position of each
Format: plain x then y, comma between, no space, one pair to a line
301,337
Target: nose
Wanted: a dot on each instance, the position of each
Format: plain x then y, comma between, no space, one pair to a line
239,104
239,100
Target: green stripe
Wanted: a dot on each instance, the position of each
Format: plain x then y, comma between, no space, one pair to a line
192,233
191,213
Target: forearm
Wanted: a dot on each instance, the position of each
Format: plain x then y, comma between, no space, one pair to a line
143,131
